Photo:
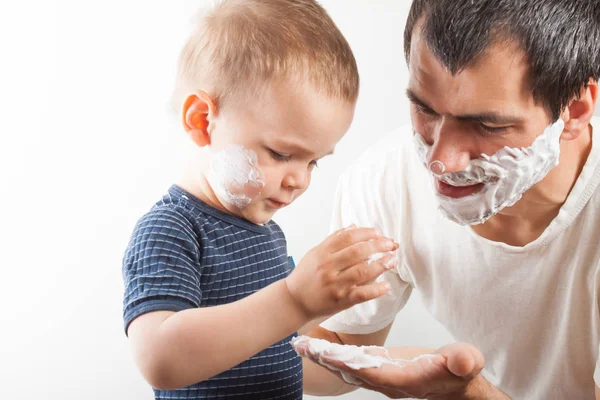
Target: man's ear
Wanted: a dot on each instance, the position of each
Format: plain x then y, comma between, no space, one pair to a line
579,112
198,113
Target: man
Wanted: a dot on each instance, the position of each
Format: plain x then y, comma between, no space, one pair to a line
493,196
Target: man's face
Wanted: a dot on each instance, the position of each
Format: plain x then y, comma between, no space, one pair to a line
478,111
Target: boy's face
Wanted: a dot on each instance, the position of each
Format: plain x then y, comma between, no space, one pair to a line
289,129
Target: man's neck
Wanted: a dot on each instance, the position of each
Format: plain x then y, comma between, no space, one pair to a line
524,222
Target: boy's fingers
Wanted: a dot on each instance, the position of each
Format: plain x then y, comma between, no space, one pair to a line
360,294
367,272
348,237
337,232
363,252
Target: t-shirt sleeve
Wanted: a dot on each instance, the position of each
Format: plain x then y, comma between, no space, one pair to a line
161,265
362,199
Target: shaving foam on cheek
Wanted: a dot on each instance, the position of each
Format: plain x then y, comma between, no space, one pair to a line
354,357
235,176
506,176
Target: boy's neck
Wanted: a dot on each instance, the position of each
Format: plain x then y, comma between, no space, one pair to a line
195,183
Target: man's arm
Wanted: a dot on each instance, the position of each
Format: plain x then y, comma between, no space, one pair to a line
597,391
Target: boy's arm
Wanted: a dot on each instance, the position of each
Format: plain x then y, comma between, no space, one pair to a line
175,350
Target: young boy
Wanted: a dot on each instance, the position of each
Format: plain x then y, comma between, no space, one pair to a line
267,88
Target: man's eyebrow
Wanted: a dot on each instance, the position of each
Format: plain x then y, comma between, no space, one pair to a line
485,117
491,118
416,100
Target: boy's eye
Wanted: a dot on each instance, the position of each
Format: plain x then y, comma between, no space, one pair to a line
314,163
279,157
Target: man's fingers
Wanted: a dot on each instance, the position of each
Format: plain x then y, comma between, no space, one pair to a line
463,360
409,375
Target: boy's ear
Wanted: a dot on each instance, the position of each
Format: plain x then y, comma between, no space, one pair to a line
198,111
579,112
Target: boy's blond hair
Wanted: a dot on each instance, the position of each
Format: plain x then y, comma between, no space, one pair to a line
239,46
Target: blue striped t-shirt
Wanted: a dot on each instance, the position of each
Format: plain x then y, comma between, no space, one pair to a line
184,254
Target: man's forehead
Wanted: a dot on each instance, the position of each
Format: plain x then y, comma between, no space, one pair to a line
502,53
501,75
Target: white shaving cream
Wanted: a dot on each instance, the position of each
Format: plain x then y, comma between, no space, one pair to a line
378,256
355,357
235,176
506,175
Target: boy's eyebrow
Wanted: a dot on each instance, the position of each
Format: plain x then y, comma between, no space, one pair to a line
299,149
485,117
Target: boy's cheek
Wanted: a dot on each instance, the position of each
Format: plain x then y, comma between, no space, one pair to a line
235,176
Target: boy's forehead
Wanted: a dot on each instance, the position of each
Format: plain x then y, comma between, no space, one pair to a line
299,117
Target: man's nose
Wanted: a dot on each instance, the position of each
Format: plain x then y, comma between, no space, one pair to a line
450,149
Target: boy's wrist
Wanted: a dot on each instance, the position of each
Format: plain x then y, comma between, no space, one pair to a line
294,305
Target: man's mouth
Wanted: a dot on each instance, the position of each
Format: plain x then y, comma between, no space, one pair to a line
456,192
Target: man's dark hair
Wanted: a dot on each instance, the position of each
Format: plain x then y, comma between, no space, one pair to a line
561,39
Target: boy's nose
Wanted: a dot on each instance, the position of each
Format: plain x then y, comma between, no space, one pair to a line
296,180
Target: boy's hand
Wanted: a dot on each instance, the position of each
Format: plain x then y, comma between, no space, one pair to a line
340,272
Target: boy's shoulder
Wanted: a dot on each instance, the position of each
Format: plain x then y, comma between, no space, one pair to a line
180,211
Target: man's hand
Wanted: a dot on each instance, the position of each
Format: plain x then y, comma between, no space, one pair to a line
449,373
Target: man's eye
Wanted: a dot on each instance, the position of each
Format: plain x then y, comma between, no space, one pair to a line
314,163
424,110
493,129
279,157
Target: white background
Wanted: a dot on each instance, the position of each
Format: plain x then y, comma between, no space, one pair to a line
87,145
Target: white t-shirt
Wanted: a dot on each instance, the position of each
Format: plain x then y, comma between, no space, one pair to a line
532,310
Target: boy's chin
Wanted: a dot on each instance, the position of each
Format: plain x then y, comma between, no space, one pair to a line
258,216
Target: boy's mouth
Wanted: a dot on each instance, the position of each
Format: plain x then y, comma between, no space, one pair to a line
276,203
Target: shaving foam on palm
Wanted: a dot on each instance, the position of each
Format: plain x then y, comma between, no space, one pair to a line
506,176
235,176
354,357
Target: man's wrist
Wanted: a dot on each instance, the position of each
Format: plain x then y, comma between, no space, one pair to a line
481,389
